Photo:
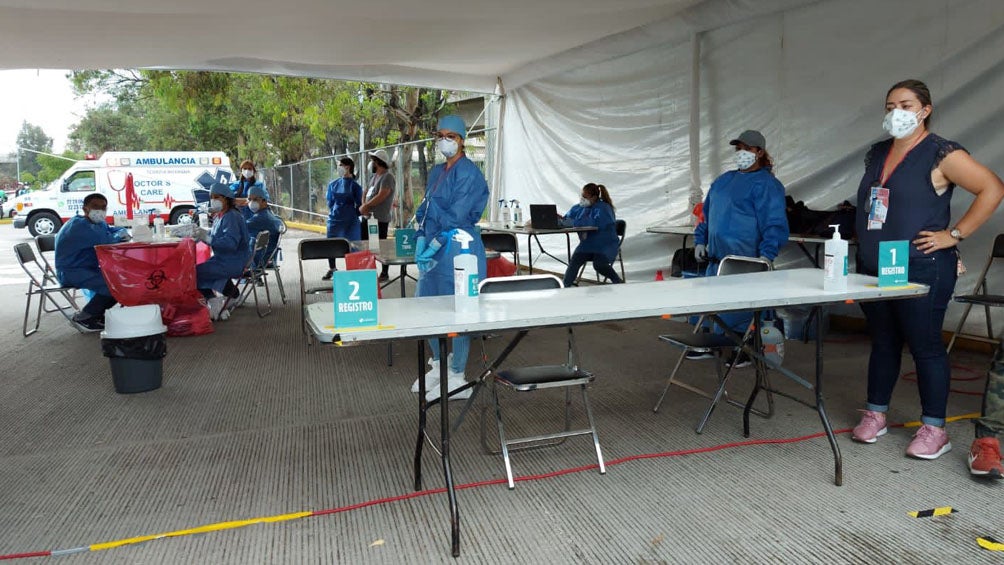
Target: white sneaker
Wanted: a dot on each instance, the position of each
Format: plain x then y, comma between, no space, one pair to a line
453,382
216,306
431,377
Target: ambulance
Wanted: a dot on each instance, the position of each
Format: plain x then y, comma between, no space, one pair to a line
164,183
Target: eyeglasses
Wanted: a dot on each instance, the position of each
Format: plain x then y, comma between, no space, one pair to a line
451,136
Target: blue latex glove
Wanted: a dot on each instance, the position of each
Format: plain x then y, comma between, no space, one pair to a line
424,260
419,245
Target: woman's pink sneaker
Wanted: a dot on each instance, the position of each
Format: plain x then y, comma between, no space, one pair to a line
930,442
872,426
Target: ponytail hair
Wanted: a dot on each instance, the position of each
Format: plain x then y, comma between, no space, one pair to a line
599,191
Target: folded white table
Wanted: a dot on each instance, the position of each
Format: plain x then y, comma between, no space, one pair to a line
433,317
800,240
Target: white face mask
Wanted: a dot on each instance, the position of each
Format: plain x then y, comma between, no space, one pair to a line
247,173
745,159
585,202
900,123
447,147
343,171
215,205
96,216
253,205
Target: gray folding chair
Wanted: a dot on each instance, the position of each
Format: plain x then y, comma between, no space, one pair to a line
718,345
47,291
272,264
524,379
311,250
979,297
254,276
503,243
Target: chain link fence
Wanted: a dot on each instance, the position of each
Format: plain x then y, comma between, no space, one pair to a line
299,190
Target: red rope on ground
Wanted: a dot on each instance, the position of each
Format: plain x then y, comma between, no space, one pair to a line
911,376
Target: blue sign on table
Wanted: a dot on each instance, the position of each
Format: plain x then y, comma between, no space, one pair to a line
894,263
355,298
404,242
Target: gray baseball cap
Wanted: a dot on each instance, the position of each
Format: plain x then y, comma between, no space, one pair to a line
752,138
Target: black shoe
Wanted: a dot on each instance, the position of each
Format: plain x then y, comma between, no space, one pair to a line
739,361
327,276
230,290
699,354
89,323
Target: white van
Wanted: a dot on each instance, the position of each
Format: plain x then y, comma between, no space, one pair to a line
165,184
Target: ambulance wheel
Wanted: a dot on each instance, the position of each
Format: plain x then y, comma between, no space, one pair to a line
181,216
44,223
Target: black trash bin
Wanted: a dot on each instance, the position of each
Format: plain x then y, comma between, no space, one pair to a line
135,342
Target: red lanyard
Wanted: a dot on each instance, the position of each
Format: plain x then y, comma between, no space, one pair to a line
889,154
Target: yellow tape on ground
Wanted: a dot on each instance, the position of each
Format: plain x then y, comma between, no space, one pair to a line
970,416
990,544
940,511
200,530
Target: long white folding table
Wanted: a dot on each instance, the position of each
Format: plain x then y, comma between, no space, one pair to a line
533,234
801,240
434,317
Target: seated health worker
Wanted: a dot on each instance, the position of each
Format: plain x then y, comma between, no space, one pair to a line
744,214
229,241
77,262
594,209
262,219
345,196
455,198
242,187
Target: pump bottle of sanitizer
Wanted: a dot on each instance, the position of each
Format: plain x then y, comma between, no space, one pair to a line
835,266
465,275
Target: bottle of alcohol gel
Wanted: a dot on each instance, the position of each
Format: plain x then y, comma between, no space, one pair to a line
505,213
517,214
835,266
465,274
374,234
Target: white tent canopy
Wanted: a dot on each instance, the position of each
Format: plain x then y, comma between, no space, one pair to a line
640,95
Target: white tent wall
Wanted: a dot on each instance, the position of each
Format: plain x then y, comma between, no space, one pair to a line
811,77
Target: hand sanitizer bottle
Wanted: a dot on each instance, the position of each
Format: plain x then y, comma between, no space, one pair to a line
505,214
373,231
465,275
835,265
517,214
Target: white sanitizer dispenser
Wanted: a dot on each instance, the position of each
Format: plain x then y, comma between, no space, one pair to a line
835,266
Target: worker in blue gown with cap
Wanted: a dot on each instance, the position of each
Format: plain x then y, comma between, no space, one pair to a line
77,262
229,242
262,219
455,198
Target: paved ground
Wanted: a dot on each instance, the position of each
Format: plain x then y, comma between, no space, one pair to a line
253,423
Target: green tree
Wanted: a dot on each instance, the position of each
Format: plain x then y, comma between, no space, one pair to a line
53,167
110,127
33,138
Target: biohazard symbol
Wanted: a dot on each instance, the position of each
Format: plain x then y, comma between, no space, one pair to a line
155,279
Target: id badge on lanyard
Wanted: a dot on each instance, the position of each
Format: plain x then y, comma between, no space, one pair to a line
878,207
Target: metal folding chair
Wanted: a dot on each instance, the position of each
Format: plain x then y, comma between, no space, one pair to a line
621,227
39,285
503,243
979,297
718,345
311,250
525,379
272,264
255,276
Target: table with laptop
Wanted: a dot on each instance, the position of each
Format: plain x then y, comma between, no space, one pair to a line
544,220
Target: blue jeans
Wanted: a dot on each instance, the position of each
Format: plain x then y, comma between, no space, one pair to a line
600,263
917,323
736,321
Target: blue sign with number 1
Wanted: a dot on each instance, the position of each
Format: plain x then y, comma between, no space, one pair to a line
894,263
355,298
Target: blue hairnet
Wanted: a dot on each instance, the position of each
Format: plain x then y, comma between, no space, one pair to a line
453,123
259,191
222,190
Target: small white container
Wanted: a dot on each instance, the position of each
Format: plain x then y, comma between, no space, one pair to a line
126,322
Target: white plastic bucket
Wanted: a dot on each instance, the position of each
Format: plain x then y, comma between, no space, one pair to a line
125,322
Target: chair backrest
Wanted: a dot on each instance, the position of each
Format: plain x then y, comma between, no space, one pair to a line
324,248
45,243
29,262
736,265
621,227
998,250
261,240
501,242
515,284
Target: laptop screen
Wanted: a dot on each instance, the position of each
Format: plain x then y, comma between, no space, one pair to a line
544,216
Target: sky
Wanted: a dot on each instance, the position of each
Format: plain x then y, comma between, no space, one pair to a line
42,97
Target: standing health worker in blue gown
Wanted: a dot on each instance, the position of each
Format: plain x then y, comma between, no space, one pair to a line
595,209
744,214
77,262
229,242
455,197
345,196
242,187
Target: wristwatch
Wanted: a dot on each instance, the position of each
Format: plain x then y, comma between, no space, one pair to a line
956,234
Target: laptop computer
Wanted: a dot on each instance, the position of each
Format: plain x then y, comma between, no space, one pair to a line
544,217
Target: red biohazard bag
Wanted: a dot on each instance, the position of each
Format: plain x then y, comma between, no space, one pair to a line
500,267
160,273
359,260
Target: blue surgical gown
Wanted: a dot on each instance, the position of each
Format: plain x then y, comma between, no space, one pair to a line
345,196
76,260
265,220
230,252
241,189
604,240
744,214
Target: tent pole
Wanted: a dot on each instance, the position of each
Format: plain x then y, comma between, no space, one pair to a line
496,186
695,122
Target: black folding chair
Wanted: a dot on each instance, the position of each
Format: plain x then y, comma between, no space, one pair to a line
718,345
46,290
311,250
255,276
979,297
621,227
503,243
525,379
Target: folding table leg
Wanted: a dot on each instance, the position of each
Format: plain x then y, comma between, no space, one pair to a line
444,422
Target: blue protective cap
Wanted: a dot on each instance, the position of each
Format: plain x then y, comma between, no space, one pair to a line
453,123
259,191
221,189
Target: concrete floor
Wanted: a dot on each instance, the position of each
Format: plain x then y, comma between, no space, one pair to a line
250,422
